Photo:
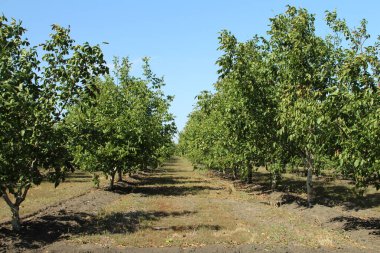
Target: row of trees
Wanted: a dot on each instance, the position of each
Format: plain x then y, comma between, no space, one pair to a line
292,98
126,128
63,111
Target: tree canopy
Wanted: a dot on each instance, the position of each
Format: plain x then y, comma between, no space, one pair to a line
127,127
34,96
292,98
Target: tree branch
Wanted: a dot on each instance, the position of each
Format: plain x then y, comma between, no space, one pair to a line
21,198
7,200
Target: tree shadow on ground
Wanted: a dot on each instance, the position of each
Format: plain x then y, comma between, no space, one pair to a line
171,169
326,193
47,229
154,190
165,185
119,223
171,161
335,198
44,230
354,223
185,228
165,180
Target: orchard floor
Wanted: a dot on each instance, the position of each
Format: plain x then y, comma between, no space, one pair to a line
180,210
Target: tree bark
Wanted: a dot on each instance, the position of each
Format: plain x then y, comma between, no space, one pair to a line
15,207
309,186
120,175
112,180
16,221
235,171
309,180
144,167
274,177
249,173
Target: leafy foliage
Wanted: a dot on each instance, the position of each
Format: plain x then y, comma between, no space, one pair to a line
127,126
34,95
291,98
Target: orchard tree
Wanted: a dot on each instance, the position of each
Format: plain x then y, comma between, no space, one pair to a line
304,70
34,95
194,139
354,102
159,126
127,126
237,117
247,84
101,138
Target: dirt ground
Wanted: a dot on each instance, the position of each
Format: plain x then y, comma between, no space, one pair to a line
45,194
181,210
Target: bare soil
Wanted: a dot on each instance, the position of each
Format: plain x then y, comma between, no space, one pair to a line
180,210
45,195
56,222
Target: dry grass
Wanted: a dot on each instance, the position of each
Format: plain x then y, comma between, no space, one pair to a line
177,206
328,191
46,194
180,207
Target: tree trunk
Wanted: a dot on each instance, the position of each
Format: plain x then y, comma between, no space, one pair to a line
112,180
144,167
249,173
120,175
309,186
235,171
15,207
16,221
274,177
309,181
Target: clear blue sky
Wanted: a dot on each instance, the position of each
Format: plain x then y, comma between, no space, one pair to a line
179,36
